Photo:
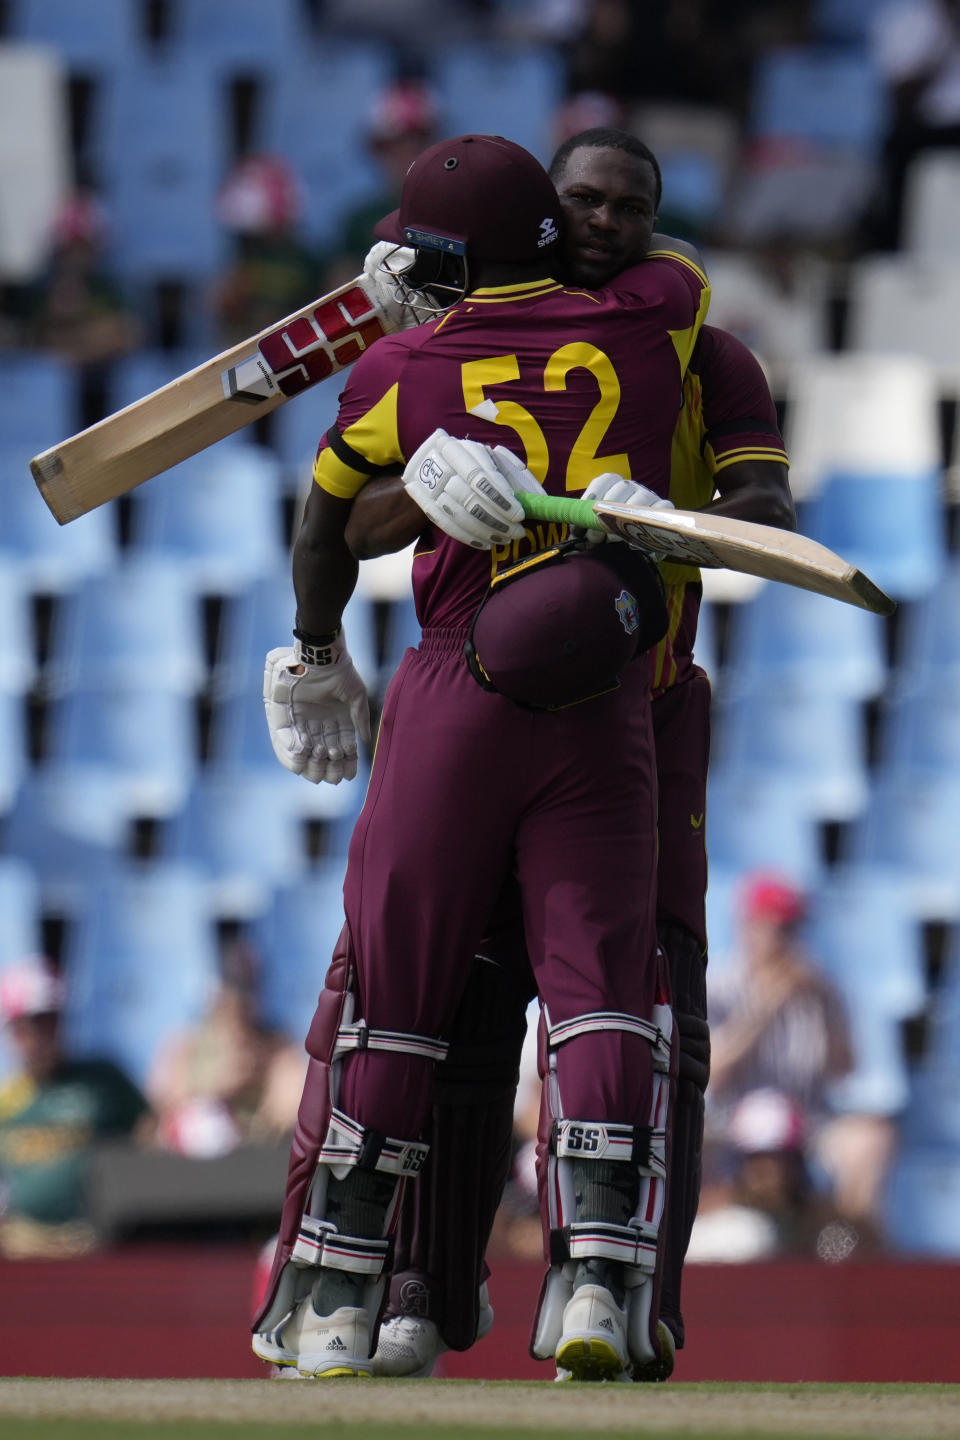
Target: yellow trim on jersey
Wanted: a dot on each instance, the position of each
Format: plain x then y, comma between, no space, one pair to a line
684,260
526,293
374,437
733,457
515,289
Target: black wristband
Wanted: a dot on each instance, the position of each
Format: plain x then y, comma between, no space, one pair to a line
316,640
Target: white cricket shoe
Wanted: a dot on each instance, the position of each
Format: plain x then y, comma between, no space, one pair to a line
655,1371
322,1346
593,1342
410,1348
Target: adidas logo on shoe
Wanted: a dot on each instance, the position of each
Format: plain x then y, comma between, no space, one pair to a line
336,1344
605,1324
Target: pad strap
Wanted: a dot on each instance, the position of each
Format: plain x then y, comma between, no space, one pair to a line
632,1245
598,1020
641,1145
319,1243
348,1143
359,1036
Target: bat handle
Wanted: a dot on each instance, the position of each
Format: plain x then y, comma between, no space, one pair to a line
538,505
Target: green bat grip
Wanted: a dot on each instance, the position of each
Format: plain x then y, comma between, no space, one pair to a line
559,508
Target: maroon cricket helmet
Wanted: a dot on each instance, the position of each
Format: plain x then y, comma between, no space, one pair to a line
479,196
562,627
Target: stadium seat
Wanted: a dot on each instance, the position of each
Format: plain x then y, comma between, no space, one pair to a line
296,938
933,1113
260,617
921,734
794,638
92,36
242,36
46,557
163,150
18,661
20,906
860,414
141,963
38,402
335,169
832,96
922,1204
943,1047
904,306
500,90
931,205
299,428
931,639
845,21
216,515
139,374
403,631
722,886
143,618
910,825
696,147
13,747
66,835
244,843
782,317
815,742
756,823
127,753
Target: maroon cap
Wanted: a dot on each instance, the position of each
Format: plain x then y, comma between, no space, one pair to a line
562,627
476,195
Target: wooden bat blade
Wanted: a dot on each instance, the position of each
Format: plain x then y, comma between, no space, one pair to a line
695,538
208,403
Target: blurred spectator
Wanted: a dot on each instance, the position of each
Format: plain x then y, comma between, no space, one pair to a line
402,121
916,44
53,1110
231,1079
770,1206
75,308
778,1022
273,271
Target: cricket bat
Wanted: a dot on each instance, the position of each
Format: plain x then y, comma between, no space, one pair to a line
208,403
693,537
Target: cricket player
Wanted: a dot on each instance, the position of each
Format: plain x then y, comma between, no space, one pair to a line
469,789
726,443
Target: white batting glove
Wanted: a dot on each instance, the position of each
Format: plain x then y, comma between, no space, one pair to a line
315,716
621,492
383,268
469,490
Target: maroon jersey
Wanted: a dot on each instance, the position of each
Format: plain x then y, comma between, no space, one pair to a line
728,416
574,382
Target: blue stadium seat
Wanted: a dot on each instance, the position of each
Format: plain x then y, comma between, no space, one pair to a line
260,617
891,526
756,823
933,1114
163,151
299,428
13,747
862,931
217,515
910,824
846,21
18,662
922,1203
38,402
143,618
814,741
501,90
20,907
90,35
66,835
722,886
296,939
45,556
144,371
125,752
943,1049
705,648
931,638
335,169
794,638
232,829
244,35
403,631
921,733
833,96
141,963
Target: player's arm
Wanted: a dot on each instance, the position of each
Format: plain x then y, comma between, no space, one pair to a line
324,569
756,490
383,518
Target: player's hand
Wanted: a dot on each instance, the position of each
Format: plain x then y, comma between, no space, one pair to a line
383,268
618,491
315,713
468,490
